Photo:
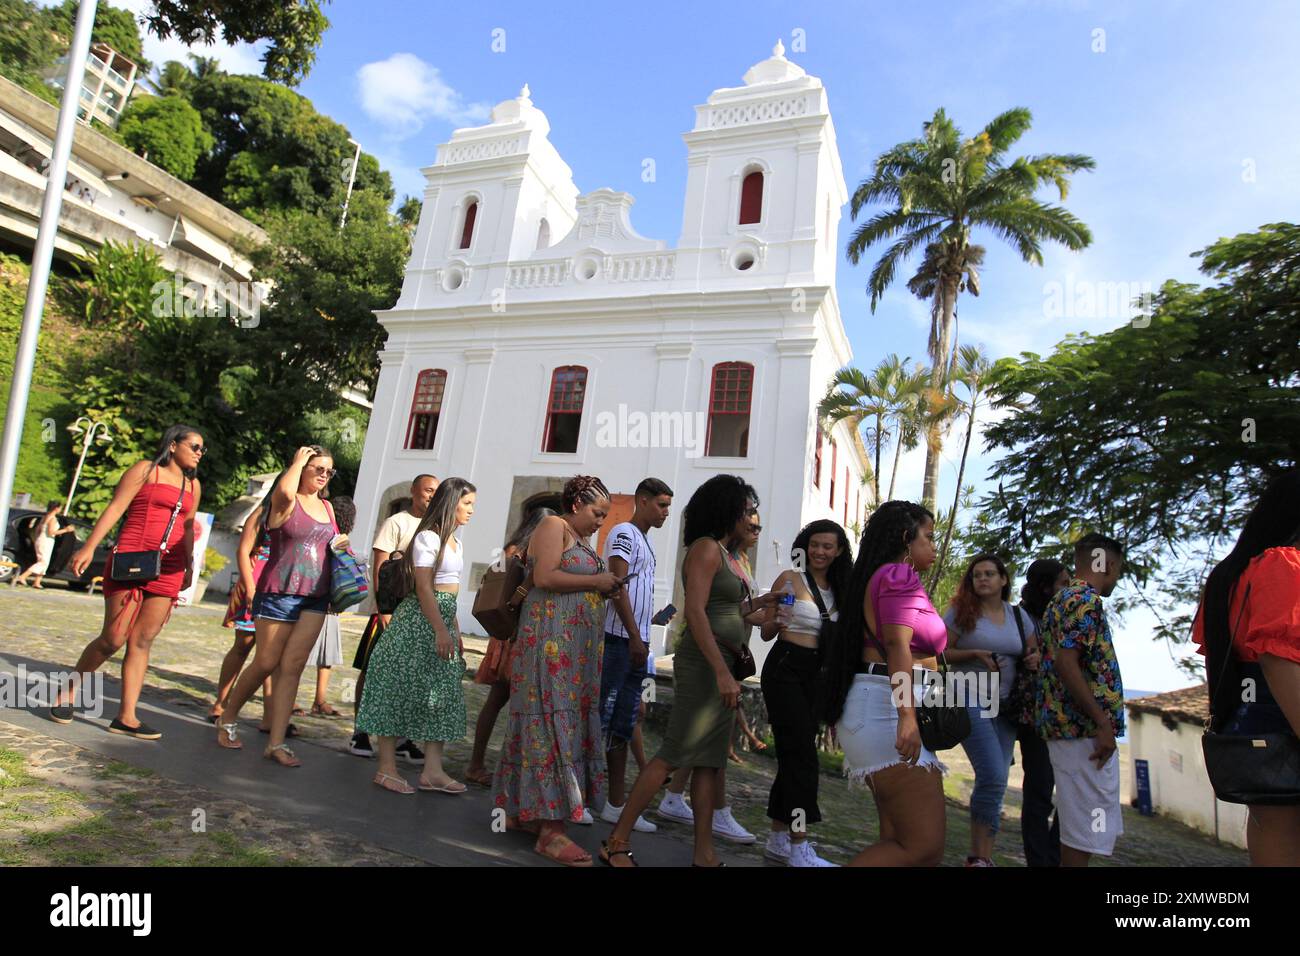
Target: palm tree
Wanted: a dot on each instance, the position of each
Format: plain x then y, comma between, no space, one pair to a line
927,285
204,66
881,398
907,415
943,187
972,371
174,79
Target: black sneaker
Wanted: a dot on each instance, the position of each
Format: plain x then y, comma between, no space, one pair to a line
61,715
410,753
360,745
142,732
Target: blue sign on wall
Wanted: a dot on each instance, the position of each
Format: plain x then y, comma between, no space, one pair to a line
1143,771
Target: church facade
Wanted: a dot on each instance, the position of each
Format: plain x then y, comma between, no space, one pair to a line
539,336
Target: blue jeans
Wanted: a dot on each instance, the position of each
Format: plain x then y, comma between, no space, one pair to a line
620,692
989,748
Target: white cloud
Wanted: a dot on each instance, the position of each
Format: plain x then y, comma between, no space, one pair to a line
403,92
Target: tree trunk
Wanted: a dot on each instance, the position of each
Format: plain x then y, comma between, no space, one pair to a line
875,476
956,499
898,453
939,382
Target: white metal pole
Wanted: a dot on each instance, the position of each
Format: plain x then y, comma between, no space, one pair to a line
85,447
352,178
25,360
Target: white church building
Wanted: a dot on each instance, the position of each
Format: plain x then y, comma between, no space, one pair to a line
539,336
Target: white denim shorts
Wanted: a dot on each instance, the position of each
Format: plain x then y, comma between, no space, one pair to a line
868,729
1087,796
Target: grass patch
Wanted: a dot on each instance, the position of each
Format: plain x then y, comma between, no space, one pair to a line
15,772
223,849
116,769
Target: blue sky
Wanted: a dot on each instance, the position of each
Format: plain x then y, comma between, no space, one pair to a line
1188,109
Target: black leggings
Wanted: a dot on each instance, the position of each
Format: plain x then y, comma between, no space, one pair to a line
790,680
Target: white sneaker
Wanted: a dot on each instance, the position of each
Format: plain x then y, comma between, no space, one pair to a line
611,813
674,807
778,846
586,820
802,854
725,826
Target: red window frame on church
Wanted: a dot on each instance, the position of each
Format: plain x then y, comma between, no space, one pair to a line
751,198
426,408
731,392
846,496
467,228
834,464
568,391
817,458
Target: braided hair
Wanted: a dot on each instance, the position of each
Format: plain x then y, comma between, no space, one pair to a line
890,529
582,490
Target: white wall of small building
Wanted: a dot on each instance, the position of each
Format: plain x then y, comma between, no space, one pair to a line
1180,787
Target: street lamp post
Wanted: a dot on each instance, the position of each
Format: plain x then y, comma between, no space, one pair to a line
77,428
352,178
25,357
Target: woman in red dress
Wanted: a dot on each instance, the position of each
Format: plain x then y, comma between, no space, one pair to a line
135,611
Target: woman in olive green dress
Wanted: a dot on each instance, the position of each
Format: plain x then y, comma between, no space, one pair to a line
719,614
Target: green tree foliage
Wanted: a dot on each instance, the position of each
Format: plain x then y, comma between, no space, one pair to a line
327,283
1162,432
274,152
293,27
113,26
169,129
121,293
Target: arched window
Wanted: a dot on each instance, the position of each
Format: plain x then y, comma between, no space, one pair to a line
426,406
564,409
835,458
730,395
751,198
817,459
467,226
543,235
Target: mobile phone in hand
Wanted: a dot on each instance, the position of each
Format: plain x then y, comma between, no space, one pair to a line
664,616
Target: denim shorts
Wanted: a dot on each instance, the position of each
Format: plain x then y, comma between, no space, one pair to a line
868,729
288,607
621,685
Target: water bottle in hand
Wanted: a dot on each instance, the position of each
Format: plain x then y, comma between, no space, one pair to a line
785,613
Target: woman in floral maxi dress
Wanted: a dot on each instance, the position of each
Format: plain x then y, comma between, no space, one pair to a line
553,761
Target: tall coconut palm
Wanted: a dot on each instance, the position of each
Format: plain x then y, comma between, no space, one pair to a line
971,372
927,285
941,188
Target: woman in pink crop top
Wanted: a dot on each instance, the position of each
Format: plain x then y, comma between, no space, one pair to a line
888,626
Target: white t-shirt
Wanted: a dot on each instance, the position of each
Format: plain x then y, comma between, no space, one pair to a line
396,532
627,542
424,551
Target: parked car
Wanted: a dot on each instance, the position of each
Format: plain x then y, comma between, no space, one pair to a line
19,550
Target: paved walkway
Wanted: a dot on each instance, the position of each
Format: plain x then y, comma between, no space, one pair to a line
331,790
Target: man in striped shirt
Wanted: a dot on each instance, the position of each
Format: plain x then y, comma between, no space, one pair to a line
627,634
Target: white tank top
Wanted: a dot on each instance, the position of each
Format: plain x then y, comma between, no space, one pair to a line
424,551
807,619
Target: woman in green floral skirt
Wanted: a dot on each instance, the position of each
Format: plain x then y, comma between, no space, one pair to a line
413,682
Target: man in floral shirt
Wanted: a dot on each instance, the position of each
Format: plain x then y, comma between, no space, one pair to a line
1080,702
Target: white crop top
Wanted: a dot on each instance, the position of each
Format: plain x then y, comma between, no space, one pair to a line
424,551
807,619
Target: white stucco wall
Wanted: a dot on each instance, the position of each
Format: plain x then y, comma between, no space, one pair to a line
1180,787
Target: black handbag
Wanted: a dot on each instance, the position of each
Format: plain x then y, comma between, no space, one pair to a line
393,583
943,723
1263,769
143,566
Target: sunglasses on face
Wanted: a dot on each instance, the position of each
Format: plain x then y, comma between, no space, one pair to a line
327,472
755,528
195,447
